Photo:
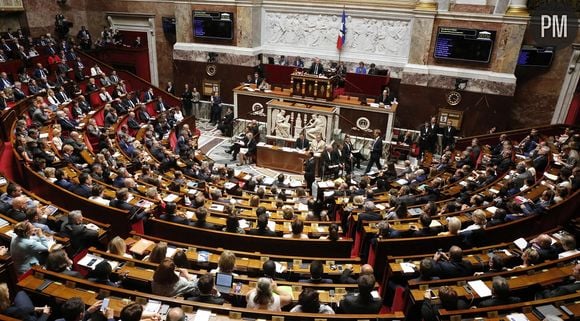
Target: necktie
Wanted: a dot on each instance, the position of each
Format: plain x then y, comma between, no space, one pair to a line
316,69
42,75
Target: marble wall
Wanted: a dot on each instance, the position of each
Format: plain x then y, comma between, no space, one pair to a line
40,14
380,39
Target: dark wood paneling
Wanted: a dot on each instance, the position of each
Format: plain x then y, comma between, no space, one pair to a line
349,117
193,73
481,111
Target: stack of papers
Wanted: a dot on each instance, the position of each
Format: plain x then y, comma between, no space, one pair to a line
480,288
170,198
521,243
408,267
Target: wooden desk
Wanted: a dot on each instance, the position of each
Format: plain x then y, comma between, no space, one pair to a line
283,159
251,105
314,86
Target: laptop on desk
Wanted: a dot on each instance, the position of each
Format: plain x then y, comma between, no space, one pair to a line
224,282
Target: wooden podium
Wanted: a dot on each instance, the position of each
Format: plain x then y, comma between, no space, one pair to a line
312,86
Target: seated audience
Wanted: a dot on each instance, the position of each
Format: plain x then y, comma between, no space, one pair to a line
267,296
309,302
364,301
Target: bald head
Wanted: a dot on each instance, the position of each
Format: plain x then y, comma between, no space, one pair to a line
455,253
367,269
175,314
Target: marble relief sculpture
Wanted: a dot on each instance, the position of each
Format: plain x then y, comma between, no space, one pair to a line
281,126
316,126
318,31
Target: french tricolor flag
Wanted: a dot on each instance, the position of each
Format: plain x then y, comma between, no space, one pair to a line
342,32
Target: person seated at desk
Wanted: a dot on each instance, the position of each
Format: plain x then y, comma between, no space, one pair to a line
302,143
297,227
361,69
298,62
500,294
449,301
21,307
309,302
58,261
207,291
201,215
74,309
363,301
238,144
248,81
452,265
316,273
267,296
171,215
28,247
318,144
80,235
168,283
249,152
257,79
316,68
373,70
264,85
226,263
386,97
262,227
564,289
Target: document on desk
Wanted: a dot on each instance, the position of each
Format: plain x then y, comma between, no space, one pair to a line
202,315
517,317
408,267
480,288
521,243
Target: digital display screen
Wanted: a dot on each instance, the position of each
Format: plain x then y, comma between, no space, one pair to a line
532,56
215,25
464,44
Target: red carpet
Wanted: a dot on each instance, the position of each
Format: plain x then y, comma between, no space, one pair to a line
7,163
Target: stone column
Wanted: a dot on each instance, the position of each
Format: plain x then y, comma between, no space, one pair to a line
518,8
183,12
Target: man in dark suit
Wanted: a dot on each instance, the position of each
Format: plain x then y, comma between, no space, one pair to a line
452,265
170,89
330,162
316,68
160,107
143,114
205,285
432,137
426,229
563,289
316,273
262,227
449,134
40,72
132,122
541,161
346,276
80,235
257,79
376,151
500,294
226,125
363,302
84,188
302,142
92,86
216,108
172,216
309,170
201,215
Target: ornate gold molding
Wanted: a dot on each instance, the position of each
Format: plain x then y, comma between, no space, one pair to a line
426,5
